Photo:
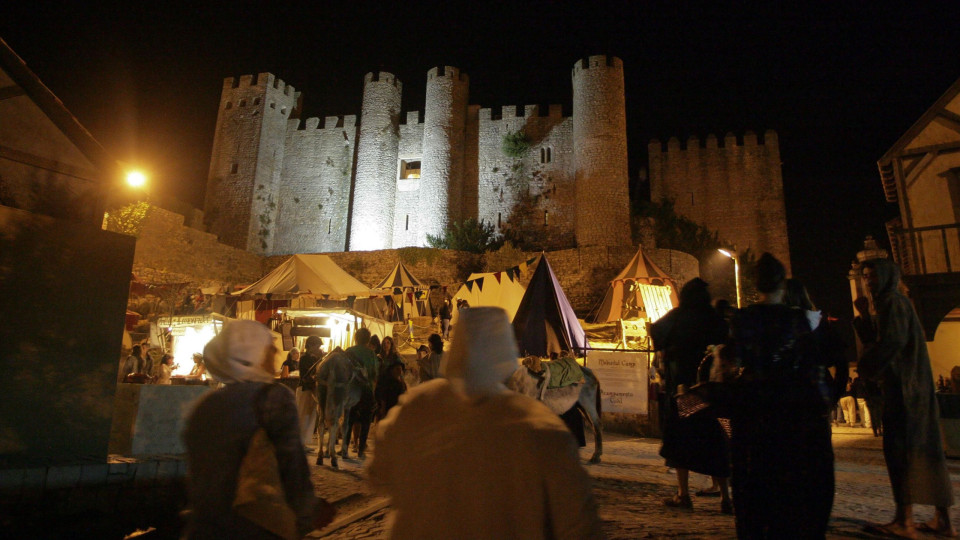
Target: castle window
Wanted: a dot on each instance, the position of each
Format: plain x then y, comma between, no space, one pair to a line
233,168
546,154
329,225
229,105
499,222
691,199
283,110
256,101
409,169
273,105
546,217
407,226
243,103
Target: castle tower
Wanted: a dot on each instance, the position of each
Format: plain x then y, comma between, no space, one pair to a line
248,146
375,187
600,153
441,179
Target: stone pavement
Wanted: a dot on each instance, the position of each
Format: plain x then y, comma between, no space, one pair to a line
631,482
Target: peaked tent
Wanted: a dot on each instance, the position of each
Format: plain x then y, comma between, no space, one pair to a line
400,278
640,290
545,321
492,289
313,275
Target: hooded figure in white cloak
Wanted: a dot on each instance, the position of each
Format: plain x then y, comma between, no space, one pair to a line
462,456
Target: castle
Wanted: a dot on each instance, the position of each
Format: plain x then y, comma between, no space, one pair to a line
279,185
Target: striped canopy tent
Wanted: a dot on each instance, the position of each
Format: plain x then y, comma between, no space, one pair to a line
640,291
401,282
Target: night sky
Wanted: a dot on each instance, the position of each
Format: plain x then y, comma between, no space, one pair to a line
840,83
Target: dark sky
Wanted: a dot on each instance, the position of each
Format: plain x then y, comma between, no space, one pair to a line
839,83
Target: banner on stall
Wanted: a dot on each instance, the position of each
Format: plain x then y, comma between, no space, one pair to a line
623,380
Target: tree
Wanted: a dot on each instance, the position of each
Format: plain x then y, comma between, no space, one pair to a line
127,219
469,235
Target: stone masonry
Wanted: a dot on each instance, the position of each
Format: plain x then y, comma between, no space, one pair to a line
735,189
279,186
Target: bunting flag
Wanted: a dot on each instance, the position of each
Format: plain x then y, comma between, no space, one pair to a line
497,275
510,274
516,271
480,283
470,286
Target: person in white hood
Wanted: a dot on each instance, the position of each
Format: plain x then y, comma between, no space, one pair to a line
462,456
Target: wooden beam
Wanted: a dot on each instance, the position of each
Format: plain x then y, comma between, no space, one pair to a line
47,164
914,173
939,148
12,91
949,119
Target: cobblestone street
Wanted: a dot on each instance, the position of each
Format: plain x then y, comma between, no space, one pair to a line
632,481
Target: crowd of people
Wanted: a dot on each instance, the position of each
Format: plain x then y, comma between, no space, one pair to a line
750,396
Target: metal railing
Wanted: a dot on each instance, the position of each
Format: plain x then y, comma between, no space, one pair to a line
928,250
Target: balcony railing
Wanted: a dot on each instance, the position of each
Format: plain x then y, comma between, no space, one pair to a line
927,250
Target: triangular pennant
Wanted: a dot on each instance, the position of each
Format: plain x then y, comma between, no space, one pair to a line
510,274
497,275
531,260
480,283
470,286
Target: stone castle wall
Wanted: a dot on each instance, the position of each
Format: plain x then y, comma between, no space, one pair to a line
248,148
315,192
169,252
268,176
735,189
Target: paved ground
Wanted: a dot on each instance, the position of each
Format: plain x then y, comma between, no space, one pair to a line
631,482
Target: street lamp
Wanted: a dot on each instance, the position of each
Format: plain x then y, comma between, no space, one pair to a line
736,269
136,179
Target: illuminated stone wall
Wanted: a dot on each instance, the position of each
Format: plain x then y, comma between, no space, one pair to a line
444,123
314,194
407,212
245,167
546,171
376,181
735,189
600,153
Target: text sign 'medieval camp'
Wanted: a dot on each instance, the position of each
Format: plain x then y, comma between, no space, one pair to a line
623,380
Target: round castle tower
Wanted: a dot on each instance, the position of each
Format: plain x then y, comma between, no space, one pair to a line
444,122
600,153
376,177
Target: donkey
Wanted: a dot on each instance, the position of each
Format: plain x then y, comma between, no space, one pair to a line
585,396
340,384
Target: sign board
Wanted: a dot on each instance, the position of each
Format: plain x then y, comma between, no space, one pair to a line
623,379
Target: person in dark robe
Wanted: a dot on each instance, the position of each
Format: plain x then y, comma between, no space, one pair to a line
696,443
912,446
865,326
782,456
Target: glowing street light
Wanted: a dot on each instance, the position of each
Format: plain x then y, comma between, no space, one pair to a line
136,179
736,269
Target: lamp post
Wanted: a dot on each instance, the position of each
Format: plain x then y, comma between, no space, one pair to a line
736,269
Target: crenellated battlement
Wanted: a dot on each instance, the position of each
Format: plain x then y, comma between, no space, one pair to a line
447,72
382,77
329,122
511,112
599,61
730,140
413,118
262,80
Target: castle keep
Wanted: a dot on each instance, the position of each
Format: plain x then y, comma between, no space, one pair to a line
278,185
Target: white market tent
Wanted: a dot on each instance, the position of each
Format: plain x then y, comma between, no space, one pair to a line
640,291
498,289
312,275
